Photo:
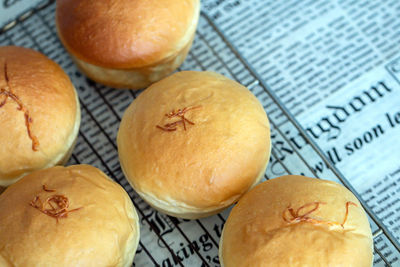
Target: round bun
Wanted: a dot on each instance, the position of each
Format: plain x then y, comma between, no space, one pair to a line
127,43
39,113
99,226
193,143
297,221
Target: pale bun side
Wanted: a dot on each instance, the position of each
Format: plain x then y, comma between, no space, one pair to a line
180,209
103,231
199,171
51,101
135,78
127,44
266,227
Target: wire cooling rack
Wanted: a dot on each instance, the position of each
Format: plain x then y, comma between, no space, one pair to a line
165,240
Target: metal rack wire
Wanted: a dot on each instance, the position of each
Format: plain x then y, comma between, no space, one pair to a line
165,240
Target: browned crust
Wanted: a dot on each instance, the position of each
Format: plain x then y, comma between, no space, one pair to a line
297,221
32,237
39,115
126,34
209,165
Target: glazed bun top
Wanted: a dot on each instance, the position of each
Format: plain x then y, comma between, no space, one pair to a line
297,221
126,33
39,113
208,160
97,227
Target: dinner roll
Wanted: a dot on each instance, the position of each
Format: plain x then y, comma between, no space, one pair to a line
297,221
39,113
67,216
127,43
193,143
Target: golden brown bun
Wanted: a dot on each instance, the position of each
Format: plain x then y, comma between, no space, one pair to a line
260,230
49,98
199,171
127,43
104,232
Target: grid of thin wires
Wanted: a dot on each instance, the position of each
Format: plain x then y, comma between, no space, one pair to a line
234,66
382,229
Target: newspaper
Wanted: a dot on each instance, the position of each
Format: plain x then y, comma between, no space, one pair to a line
336,67
12,9
334,64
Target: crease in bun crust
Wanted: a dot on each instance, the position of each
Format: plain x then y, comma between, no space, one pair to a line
191,144
39,113
297,221
67,216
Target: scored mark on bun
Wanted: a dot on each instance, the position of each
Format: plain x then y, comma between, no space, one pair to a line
297,217
47,189
28,119
169,127
55,206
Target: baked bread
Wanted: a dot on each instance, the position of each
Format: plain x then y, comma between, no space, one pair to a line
127,43
297,221
67,216
193,143
39,113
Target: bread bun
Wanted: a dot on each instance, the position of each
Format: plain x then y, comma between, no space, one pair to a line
127,43
98,227
297,221
39,113
193,143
